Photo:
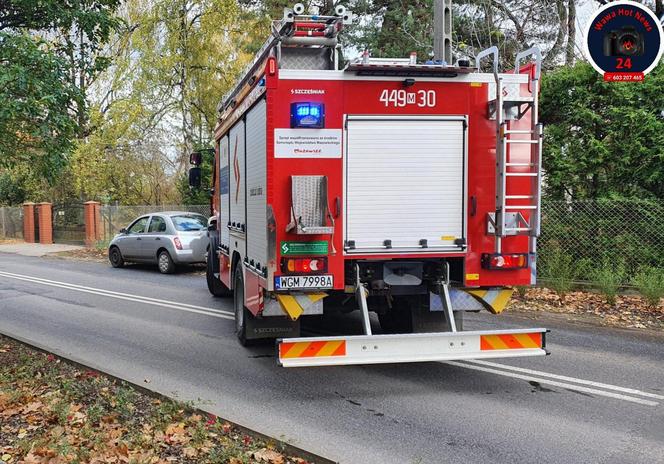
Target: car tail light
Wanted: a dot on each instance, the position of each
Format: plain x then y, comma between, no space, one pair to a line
303,265
178,243
505,261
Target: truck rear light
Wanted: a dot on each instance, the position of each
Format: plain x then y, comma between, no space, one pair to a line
505,261
177,243
303,265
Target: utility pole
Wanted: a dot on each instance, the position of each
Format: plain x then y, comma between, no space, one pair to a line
442,30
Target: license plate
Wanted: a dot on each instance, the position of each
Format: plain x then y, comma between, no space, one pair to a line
296,282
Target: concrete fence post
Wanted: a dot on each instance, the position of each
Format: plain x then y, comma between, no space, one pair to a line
45,214
29,222
92,213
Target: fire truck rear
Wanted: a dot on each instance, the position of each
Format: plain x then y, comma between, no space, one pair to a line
410,190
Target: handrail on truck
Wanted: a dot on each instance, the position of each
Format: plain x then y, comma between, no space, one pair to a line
485,53
537,53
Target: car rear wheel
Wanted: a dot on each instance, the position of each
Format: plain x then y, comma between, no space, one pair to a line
115,257
165,262
214,284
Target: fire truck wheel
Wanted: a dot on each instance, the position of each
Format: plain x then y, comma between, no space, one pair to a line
115,257
241,313
214,284
165,262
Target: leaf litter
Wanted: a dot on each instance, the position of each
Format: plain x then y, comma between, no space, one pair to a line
629,311
54,413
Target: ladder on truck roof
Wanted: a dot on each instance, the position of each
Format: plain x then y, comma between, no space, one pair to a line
295,31
509,105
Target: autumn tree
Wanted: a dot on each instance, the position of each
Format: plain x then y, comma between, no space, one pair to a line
48,54
157,102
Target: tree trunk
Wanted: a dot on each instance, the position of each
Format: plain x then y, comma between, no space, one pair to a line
659,8
571,32
562,32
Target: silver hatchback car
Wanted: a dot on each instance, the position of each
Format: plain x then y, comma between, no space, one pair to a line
167,239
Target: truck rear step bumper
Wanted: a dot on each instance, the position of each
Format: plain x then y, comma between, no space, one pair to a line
401,348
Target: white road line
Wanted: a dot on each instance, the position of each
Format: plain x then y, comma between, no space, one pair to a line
606,386
554,383
124,296
116,293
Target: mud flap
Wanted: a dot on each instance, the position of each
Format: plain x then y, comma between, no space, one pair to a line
272,327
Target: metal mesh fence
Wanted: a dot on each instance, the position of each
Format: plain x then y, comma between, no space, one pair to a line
11,222
600,232
114,217
589,232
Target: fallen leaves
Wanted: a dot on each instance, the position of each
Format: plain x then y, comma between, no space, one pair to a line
630,311
53,413
268,455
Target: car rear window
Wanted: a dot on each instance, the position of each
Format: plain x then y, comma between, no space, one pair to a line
189,222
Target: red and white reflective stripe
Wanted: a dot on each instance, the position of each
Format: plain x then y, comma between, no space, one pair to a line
378,349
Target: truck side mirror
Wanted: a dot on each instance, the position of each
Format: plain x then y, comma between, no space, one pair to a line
195,177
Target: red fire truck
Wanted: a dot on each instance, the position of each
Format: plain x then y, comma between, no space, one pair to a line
411,190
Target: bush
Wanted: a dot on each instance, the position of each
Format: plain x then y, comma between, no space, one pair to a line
558,271
650,283
608,278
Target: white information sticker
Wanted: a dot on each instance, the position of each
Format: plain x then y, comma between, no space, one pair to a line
310,281
307,143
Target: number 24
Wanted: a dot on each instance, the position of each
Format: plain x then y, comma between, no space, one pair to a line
623,63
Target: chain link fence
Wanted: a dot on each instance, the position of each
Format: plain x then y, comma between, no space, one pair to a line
116,217
590,232
602,233
11,222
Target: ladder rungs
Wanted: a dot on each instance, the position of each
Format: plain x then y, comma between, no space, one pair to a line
518,132
518,197
520,207
522,174
521,141
520,164
517,229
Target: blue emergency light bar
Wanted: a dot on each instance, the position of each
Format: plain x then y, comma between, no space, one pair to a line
307,115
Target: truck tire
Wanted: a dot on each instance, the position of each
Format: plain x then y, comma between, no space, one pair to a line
214,284
241,313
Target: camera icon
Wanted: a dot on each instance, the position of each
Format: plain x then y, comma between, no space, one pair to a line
626,41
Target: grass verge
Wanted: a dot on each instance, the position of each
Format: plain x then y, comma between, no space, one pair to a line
53,412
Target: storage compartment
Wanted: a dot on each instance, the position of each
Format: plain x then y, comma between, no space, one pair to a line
405,184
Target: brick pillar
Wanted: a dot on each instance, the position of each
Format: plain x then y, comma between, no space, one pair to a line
29,222
45,212
92,214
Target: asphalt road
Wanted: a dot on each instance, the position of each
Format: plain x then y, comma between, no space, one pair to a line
598,398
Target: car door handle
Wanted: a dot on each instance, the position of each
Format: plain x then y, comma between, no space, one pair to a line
157,238
138,238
